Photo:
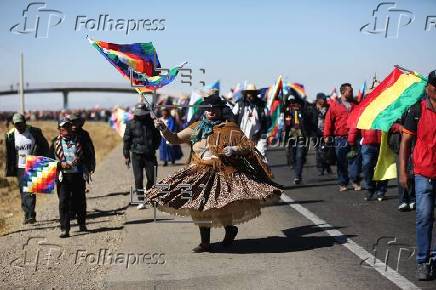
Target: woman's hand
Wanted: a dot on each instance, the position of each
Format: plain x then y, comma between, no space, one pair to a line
230,150
213,160
160,125
65,165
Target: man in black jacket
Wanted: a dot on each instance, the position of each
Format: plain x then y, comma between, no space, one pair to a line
141,139
299,123
320,110
21,141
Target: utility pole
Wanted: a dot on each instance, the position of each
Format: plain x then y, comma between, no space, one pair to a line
22,106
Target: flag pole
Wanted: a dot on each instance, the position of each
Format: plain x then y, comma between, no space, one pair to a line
152,114
22,105
404,69
141,97
410,72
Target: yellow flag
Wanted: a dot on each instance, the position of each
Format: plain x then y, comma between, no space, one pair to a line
386,167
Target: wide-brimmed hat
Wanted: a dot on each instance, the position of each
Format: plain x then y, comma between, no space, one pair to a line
75,117
250,88
214,101
141,109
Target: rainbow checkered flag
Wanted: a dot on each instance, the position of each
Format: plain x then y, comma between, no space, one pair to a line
40,174
141,59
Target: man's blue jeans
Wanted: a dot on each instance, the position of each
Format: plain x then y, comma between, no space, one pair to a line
369,161
299,150
425,189
343,164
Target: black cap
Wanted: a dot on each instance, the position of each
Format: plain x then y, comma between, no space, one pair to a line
64,122
432,78
321,96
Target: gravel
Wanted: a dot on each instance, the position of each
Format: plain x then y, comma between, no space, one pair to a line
34,257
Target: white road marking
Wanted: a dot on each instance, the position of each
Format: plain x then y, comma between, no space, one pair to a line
360,252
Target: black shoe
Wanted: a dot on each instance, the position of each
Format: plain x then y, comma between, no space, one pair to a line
423,271
83,228
369,196
165,163
201,248
231,232
297,181
25,221
64,234
432,272
32,221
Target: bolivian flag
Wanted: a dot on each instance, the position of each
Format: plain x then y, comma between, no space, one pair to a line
388,101
382,107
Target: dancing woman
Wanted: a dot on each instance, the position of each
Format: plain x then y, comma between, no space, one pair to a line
227,175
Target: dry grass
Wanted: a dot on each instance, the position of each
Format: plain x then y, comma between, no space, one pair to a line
104,138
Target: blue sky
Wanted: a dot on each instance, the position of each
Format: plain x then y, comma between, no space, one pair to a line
315,42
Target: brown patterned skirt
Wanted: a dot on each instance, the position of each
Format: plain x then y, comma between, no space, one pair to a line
211,197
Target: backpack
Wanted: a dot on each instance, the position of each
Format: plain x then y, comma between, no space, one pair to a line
394,139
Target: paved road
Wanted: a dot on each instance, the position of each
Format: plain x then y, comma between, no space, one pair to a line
305,242
316,238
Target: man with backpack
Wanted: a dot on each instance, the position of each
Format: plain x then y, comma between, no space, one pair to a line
141,140
420,123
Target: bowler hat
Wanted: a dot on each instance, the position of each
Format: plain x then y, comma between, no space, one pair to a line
141,109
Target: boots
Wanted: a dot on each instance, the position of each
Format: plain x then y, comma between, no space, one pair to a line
204,246
231,232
